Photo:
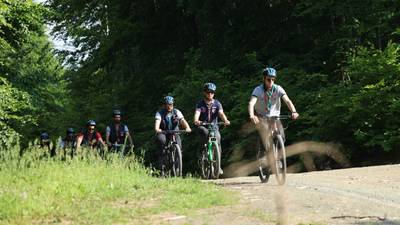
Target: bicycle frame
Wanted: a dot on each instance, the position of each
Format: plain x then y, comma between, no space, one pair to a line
275,147
209,162
211,138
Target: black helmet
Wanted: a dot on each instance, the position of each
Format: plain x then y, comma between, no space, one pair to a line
70,130
116,112
90,123
269,72
210,86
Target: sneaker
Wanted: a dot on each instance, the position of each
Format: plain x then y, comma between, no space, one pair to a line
221,171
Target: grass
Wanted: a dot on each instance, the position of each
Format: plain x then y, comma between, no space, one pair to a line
88,189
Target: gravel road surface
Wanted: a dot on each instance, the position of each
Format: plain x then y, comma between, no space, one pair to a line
367,195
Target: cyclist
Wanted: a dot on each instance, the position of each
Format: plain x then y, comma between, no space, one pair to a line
266,101
117,133
68,142
207,110
90,137
45,143
44,140
168,118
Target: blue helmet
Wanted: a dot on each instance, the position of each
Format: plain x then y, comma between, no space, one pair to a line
168,100
45,136
45,139
269,72
116,112
70,130
90,123
210,86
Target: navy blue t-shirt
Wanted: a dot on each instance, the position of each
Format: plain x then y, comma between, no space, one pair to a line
209,112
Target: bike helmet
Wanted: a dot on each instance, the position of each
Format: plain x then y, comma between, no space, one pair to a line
210,86
70,130
168,100
90,123
45,137
116,112
269,72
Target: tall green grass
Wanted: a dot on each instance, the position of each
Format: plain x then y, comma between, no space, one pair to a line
90,189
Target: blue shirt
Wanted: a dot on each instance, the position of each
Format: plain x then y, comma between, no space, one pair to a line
209,112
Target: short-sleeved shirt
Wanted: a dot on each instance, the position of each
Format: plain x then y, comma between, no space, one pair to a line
262,101
169,122
67,144
108,129
92,140
209,111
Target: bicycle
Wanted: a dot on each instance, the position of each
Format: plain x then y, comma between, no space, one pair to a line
119,148
211,161
276,154
173,155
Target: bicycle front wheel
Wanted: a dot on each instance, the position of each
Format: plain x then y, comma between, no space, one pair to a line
216,163
279,155
176,161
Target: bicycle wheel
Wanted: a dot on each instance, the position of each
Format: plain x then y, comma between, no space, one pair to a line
167,166
205,166
176,157
264,170
280,159
215,165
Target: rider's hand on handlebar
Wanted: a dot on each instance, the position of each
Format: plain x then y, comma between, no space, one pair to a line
295,115
254,119
188,130
197,123
109,144
227,122
158,131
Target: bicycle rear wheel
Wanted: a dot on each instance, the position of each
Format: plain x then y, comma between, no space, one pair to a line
279,154
215,164
176,161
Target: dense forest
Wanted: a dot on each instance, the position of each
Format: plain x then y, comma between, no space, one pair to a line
337,60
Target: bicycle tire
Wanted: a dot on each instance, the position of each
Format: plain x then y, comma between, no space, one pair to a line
176,160
215,165
279,165
167,166
205,166
264,170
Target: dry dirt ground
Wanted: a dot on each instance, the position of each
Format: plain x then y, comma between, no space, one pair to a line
368,195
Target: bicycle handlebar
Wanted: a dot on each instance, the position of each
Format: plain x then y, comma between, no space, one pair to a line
120,145
173,131
278,117
212,124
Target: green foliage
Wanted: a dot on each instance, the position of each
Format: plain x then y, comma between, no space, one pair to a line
361,112
37,188
30,66
131,54
13,104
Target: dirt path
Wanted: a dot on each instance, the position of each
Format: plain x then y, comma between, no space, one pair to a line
369,195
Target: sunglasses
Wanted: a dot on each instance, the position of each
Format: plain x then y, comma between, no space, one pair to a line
209,92
70,136
270,79
169,105
90,128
